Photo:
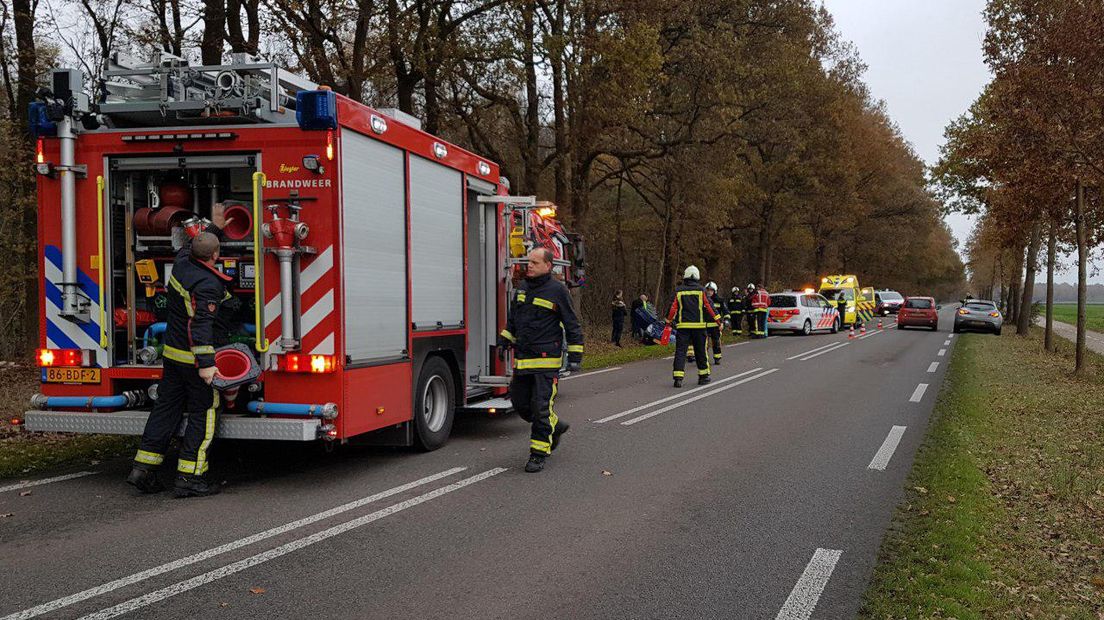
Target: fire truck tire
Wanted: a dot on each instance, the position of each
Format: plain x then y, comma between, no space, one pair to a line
434,404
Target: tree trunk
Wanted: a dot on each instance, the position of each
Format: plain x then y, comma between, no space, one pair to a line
1052,255
1082,275
1023,326
559,105
531,154
214,27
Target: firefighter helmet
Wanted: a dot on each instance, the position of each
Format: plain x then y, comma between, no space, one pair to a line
691,273
751,286
711,285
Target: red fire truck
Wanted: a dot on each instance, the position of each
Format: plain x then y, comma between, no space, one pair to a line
369,260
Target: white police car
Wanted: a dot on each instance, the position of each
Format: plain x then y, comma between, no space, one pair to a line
802,312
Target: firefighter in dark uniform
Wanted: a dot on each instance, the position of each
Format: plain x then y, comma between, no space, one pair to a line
736,311
749,310
714,332
195,291
541,317
692,314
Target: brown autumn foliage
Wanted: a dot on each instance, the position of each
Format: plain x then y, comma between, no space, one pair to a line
734,134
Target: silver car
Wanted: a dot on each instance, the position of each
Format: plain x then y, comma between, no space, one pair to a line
978,314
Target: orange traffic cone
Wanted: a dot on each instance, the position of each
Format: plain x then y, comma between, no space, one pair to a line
851,334
880,324
862,330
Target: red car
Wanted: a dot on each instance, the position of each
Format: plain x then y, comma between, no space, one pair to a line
918,312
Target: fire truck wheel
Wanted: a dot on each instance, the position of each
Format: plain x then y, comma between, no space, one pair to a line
434,404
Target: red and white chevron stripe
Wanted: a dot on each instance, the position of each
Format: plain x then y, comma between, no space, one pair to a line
317,305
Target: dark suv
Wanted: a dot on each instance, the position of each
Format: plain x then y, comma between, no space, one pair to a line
887,302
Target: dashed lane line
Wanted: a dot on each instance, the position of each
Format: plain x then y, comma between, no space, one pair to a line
933,366
276,552
803,598
221,549
918,393
836,347
668,399
889,446
653,414
942,352
793,357
35,483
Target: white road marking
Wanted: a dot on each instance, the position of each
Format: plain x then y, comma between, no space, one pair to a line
669,357
942,352
738,343
947,342
889,446
805,594
667,399
35,483
276,552
918,393
593,372
836,347
950,335
933,366
873,333
793,357
214,551
698,397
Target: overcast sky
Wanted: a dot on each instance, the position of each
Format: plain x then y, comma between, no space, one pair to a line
924,60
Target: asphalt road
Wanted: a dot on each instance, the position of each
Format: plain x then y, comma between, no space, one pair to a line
763,495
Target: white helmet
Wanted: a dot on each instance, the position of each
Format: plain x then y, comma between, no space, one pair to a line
751,287
711,285
691,273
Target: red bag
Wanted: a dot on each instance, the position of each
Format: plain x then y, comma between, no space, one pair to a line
665,337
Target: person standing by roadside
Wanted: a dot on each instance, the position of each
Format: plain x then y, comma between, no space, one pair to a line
618,317
691,313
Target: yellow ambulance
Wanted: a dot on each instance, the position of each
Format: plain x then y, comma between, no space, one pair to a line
859,301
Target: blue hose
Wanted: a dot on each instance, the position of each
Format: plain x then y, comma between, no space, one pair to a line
154,331
328,410
126,399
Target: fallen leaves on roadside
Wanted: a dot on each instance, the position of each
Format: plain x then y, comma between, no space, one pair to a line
6,515
920,490
1098,582
24,493
256,590
606,472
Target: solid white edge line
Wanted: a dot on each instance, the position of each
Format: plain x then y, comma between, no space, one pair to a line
933,366
806,592
836,347
872,333
282,550
793,357
942,352
35,483
593,372
129,580
889,446
698,397
918,393
668,398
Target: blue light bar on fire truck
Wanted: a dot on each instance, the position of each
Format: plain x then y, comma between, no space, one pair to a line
316,109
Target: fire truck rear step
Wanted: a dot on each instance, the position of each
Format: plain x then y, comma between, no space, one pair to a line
496,405
132,422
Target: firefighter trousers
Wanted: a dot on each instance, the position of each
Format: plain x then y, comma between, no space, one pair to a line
180,391
684,339
736,321
759,323
714,334
533,396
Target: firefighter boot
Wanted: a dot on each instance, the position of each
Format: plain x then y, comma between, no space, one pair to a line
535,464
561,428
704,379
188,485
145,480
678,383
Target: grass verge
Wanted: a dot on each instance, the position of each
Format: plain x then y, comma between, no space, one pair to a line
1094,315
23,453
1004,506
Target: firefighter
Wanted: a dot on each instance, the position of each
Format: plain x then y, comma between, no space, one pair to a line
714,333
541,317
760,306
692,314
195,291
749,311
736,311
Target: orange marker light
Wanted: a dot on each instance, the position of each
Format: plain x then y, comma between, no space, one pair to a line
40,153
329,145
